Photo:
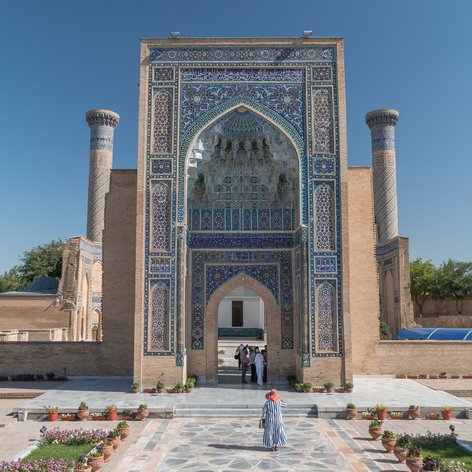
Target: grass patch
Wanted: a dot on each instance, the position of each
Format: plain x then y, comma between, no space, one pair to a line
449,452
58,451
221,361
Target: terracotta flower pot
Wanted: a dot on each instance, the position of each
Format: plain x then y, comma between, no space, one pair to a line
376,432
389,444
414,414
116,442
53,416
96,463
83,414
330,390
135,390
87,469
111,415
368,417
446,415
400,453
351,413
415,464
107,452
124,433
382,415
432,416
143,414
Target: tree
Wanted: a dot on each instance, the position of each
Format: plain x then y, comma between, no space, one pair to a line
454,281
423,275
11,280
384,330
45,259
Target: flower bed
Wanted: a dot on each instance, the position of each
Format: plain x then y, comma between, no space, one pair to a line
50,465
73,437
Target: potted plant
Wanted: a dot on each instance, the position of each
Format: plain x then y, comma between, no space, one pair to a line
111,412
143,412
432,415
307,387
367,415
455,376
107,449
351,411
318,389
98,416
83,412
446,412
414,412
127,415
123,428
68,417
96,459
149,390
188,386
53,412
433,376
396,415
422,376
376,429
431,464
135,387
443,375
179,388
381,411
349,387
115,437
402,446
329,386
414,459
389,440
81,465
411,376
160,387
400,376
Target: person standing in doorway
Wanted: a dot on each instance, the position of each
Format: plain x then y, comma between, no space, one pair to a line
252,365
244,364
274,430
259,362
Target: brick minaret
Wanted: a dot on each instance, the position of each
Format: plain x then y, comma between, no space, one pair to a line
382,127
102,126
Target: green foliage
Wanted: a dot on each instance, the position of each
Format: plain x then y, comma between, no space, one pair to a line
423,276
454,281
385,333
42,260
45,259
58,451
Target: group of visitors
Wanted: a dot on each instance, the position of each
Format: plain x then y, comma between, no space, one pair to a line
255,359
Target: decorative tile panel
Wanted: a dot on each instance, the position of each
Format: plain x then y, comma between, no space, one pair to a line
325,264
324,217
242,54
162,133
163,74
161,166
322,73
159,327
241,75
161,212
323,120
324,166
160,265
326,317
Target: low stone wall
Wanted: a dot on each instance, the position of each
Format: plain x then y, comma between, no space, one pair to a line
445,321
71,358
425,357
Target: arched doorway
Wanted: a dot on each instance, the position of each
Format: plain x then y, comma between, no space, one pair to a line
272,321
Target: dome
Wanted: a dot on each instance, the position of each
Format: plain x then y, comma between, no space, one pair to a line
242,124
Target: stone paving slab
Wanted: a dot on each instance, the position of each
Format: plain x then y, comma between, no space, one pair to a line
223,446
368,391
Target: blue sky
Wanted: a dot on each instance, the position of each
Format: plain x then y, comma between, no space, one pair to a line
62,58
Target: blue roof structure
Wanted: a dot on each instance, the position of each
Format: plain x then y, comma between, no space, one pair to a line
436,334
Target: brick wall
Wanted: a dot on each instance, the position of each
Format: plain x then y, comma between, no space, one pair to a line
364,294
424,357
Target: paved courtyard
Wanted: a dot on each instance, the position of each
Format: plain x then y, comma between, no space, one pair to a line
234,442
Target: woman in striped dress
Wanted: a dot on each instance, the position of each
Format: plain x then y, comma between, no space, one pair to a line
274,430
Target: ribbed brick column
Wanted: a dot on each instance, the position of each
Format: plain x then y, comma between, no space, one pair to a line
382,127
102,126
